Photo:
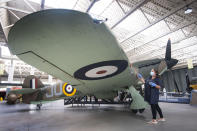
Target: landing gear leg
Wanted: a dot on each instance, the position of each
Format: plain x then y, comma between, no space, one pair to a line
138,103
39,106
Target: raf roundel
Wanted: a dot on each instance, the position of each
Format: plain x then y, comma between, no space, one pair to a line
68,90
101,70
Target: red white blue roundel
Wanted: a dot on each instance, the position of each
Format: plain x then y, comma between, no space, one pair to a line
101,70
69,89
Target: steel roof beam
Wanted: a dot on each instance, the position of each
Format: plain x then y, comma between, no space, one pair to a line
141,3
177,50
167,25
162,18
120,6
182,65
9,58
15,9
193,60
164,47
145,16
5,27
160,50
91,5
30,6
184,50
14,14
186,57
4,1
3,33
192,34
174,30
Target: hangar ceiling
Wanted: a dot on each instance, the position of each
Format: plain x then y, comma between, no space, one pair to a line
142,27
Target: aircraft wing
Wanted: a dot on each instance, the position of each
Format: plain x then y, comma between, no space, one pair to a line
144,67
145,63
68,45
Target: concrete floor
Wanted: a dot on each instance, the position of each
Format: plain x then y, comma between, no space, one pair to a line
56,117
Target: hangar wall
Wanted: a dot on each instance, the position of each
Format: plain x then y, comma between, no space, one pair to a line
177,79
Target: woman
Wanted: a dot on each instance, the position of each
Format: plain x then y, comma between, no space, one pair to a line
152,86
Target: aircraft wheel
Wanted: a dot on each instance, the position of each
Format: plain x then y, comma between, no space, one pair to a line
134,111
141,110
39,106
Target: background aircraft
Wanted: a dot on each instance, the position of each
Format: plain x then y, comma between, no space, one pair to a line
71,46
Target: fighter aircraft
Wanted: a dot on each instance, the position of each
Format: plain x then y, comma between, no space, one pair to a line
72,47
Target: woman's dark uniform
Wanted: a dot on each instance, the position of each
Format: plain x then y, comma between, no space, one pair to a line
152,96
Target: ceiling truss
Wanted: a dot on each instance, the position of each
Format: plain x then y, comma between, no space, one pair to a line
153,11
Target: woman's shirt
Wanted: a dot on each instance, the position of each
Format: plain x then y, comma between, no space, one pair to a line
152,93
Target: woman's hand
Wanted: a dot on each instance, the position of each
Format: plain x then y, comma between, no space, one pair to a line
158,87
140,77
152,84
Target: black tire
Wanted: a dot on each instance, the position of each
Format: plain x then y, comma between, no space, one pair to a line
134,111
39,106
11,102
141,110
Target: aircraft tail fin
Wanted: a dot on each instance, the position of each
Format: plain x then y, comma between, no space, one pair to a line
32,82
29,92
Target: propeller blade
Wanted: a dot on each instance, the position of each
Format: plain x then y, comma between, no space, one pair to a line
169,61
168,50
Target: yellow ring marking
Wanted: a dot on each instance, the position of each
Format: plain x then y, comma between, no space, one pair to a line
68,94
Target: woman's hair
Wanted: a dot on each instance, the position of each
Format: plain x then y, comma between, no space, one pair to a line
156,71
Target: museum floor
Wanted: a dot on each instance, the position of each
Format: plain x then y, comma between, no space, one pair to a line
56,117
